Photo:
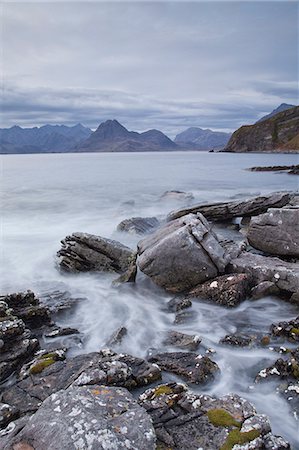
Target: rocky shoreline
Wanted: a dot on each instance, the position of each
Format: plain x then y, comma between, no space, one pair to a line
101,400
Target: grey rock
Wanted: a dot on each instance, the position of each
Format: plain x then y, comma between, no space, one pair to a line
129,276
238,340
83,252
228,210
178,304
264,289
97,417
288,330
260,268
177,196
138,225
272,442
282,369
191,366
57,332
226,290
182,340
7,414
276,232
185,317
117,337
290,391
181,254
258,422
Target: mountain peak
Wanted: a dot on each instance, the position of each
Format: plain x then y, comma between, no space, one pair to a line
111,129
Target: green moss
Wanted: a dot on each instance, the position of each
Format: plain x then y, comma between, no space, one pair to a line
40,365
295,368
295,331
222,418
162,390
236,437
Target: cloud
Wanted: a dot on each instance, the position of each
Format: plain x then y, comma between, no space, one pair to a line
164,65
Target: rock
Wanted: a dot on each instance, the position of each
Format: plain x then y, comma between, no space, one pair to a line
138,225
184,420
276,232
285,369
129,276
273,168
226,290
58,301
83,252
184,317
285,275
228,210
272,442
7,414
289,330
96,417
191,366
239,340
117,336
181,254
61,332
264,289
105,367
290,391
295,298
42,360
183,341
178,304
177,196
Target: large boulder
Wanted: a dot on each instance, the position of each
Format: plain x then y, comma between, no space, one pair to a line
182,254
228,210
88,417
83,252
276,232
285,275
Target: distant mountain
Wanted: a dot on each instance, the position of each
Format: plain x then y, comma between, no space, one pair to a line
279,133
111,136
199,139
45,139
280,108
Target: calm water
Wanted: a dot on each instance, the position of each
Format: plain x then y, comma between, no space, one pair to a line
46,197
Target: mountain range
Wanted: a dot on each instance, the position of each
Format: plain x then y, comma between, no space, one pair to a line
280,108
196,138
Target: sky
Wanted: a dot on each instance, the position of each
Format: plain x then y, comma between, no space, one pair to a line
166,65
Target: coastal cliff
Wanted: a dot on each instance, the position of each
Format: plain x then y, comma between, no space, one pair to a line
279,133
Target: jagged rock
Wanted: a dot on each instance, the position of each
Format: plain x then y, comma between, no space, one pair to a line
184,420
184,317
7,414
260,268
289,330
178,304
94,418
117,336
227,210
295,298
264,289
83,252
177,196
129,276
276,232
226,290
181,254
290,391
105,367
61,332
182,340
282,368
138,225
191,366
239,340
58,301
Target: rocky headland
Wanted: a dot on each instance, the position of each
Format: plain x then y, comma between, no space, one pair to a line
112,400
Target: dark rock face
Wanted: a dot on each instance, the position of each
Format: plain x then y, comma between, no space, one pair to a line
276,232
263,289
191,366
138,225
288,330
238,340
284,275
282,369
272,134
28,308
181,254
117,336
229,210
188,421
7,414
178,304
182,340
105,367
226,290
94,418
83,252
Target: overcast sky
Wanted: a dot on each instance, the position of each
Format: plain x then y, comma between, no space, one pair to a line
165,65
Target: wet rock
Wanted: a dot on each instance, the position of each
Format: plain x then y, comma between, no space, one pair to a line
105,367
138,225
238,340
184,317
42,360
290,391
129,276
294,298
178,304
282,368
285,275
289,330
191,366
226,290
272,442
117,337
228,210
97,417
264,289
182,340
181,254
7,414
83,252
177,196
187,421
276,232
57,332
58,301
